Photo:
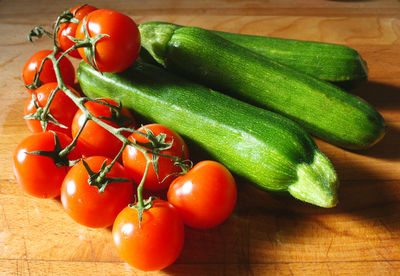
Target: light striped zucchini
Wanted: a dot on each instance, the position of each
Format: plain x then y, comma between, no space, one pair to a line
325,61
267,149
321,108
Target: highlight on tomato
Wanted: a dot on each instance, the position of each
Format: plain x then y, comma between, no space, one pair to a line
42,176
62,108
47,74
118,48
154,244
88,204
205,196
68,29
94,139
135,161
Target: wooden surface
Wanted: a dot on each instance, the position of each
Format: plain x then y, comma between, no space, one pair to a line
266,234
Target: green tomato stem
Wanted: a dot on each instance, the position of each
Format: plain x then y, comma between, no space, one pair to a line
107,169
140,201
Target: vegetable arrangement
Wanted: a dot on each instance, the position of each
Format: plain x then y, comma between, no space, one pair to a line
92,151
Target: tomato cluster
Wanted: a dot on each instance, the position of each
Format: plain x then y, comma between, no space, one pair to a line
89,152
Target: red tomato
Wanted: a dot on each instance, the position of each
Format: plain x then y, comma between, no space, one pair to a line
85,204
38,175
47,74
117,51
135,161
205,196
62,108
154,245
69,29
94,139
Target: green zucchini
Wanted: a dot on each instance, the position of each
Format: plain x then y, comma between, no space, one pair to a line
325,61
323,109
262,147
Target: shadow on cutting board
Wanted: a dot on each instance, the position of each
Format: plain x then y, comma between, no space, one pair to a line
386,99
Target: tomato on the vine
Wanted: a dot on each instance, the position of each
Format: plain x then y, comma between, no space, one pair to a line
47,74
62,108
69,29
119,48
94,139
205,196
85,203
153,245
38,175
135,161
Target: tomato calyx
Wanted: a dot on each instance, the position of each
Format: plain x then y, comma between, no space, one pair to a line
99,179
142,205
184,164
156,144
38,32
42,114
58,154
67,16
89,44
117,117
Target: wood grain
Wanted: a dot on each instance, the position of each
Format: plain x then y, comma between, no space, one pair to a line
267,234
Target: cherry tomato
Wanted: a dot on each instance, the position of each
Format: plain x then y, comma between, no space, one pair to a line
94,139
135,161
153,245
62,108
47,74
118,50
38,175
85,204
69,29
205,196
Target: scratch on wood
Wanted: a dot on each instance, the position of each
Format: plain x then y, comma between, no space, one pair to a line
8,61
329,247
385,226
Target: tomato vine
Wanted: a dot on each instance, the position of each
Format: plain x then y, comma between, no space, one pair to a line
95,177
153,147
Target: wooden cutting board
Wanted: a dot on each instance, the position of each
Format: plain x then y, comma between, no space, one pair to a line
266,234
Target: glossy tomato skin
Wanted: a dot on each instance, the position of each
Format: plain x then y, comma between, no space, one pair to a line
38,175
135,162
47,74
85,204
69,29
205,196
94,139
154,245
118,51
62,108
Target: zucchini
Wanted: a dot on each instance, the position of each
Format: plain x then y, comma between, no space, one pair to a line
323,109
262,147
325,61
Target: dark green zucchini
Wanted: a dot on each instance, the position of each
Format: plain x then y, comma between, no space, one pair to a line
264,148
321,108
325,61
